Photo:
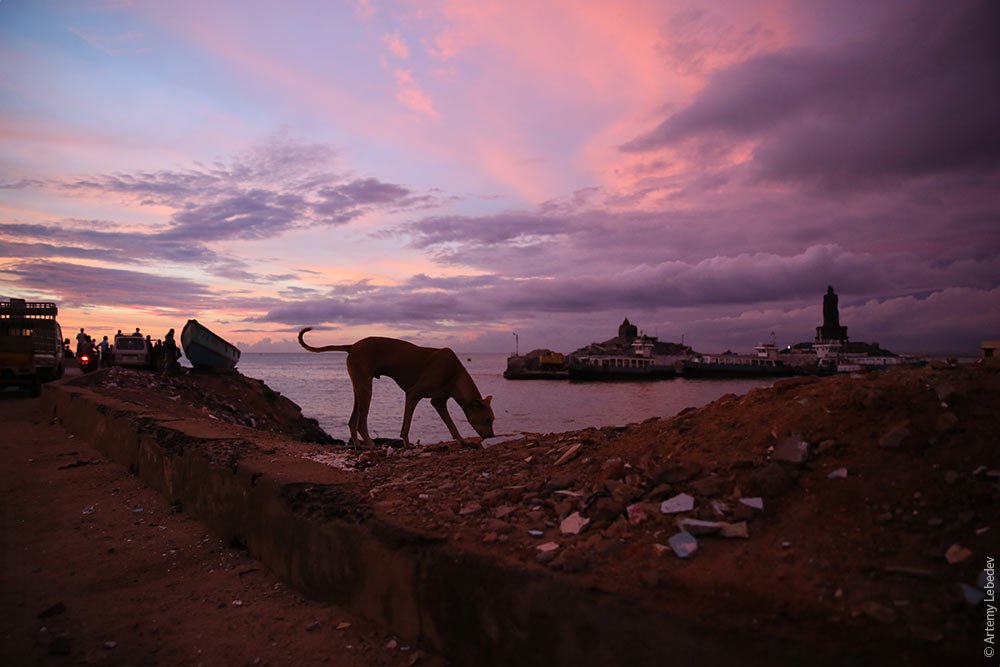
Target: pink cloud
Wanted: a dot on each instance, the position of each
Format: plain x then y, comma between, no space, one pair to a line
396,45
409,94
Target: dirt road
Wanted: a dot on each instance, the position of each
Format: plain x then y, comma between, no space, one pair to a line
95,567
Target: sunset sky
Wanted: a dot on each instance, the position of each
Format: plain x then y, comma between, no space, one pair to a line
452,171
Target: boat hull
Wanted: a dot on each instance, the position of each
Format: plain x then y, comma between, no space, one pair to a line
205,349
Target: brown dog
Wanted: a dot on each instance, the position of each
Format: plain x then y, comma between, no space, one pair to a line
421,372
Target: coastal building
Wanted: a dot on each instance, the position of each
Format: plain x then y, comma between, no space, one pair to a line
990,349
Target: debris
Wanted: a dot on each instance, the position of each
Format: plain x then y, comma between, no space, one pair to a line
343,625
569,454
548,546
838,473
957,554
470,508
735,530
109,645
682,502
501,439
756,503
698,527
636,513
573,524
684,544
312,627
791,450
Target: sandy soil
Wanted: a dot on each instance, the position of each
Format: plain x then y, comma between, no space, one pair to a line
97,568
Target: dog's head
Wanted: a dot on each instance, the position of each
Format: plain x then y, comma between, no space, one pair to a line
480,415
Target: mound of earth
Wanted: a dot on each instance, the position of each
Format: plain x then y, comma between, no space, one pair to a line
851,506
222,396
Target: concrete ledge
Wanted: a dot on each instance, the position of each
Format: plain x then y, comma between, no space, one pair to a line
316,529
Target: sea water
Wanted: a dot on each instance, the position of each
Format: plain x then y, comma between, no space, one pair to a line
319,384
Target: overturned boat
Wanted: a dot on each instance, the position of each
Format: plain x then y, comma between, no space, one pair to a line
205,349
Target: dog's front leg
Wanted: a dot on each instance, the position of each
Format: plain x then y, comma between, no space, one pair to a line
441,405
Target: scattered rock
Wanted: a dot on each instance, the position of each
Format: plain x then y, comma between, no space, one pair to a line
735,530
791,450
569,454
637,513
573,524
500,439
956,554
679,503
697,527
684,544
755,503
838,473
470,508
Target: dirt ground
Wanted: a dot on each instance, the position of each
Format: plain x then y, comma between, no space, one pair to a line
855,509
97,568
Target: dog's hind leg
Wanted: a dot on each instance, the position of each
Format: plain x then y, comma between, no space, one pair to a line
353,425
441,405
363,398
362,384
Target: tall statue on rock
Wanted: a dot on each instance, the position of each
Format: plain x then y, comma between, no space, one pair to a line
831,329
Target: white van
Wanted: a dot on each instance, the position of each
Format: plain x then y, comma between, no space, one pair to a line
131,351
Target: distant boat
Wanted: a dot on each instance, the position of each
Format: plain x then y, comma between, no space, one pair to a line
205,349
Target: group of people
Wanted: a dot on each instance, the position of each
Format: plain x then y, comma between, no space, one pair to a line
163,354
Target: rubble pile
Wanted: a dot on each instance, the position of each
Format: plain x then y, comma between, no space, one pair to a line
849,500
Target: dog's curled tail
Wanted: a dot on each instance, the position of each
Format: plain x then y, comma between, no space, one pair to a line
325,348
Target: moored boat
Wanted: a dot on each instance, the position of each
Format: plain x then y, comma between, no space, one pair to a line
205,349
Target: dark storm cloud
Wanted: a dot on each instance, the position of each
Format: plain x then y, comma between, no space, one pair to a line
917,97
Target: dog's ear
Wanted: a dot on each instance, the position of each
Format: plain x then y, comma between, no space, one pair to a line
487,400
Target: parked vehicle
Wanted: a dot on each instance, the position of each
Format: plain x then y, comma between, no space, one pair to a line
89,358
131,351
31,344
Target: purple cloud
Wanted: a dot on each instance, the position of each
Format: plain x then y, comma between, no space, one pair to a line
916,97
